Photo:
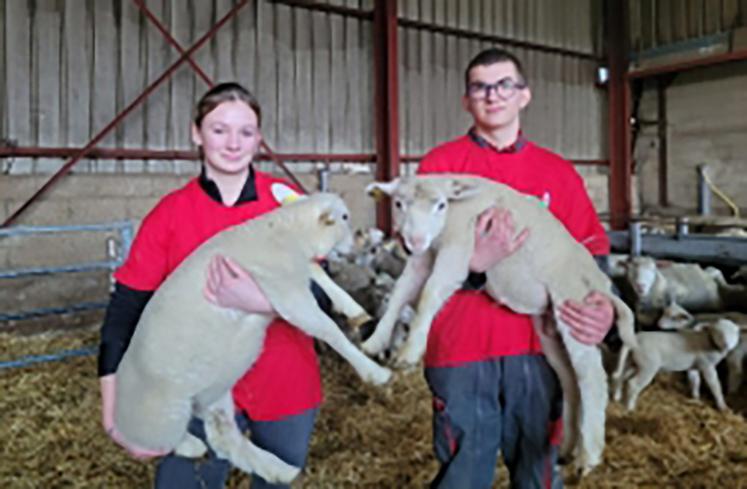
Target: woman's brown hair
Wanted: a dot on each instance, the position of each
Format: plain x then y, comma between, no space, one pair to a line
225,92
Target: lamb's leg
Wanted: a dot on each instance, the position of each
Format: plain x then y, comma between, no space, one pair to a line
592,387
735,364
638,382
693,380
557,357
341,300
711,379
405,290
619,376
190,447
300,309
228,442
449,271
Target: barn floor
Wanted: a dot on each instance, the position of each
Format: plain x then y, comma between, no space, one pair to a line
365,437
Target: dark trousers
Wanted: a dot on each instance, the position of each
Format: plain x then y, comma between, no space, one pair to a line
510,405
287,438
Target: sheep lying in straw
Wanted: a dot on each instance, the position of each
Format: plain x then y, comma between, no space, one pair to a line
675,317
436,216
655,283
676,351
187,353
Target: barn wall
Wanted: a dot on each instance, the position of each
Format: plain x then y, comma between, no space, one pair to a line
705,121
70,66
74,65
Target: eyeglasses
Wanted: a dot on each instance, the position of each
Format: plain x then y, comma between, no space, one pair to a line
505,88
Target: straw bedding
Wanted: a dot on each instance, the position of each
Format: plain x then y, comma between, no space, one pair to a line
365,437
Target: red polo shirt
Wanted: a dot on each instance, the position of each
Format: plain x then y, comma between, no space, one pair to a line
471,326
285,380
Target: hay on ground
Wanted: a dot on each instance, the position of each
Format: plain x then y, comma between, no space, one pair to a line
365,437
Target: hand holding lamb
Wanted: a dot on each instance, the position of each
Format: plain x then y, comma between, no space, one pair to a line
187,353
436,216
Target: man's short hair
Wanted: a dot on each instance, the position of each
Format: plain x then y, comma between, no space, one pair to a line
491,56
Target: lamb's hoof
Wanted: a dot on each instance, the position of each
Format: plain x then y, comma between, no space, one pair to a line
373,346
279,473
380,376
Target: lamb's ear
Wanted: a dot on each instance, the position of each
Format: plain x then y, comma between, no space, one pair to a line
461,189
283,194
718,337
377,190
326,218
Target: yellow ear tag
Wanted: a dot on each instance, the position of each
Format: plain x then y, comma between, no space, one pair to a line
283,194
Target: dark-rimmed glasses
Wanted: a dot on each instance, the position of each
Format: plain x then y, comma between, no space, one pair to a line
505,88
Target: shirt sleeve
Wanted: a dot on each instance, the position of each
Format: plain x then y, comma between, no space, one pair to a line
580,217
147,264
122,315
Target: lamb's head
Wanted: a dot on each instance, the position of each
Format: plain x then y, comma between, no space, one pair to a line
675,317
330,220
420,206
724,334
642,274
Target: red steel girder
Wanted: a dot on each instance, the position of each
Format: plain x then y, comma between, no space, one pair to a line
127,110
165,32
620,188
386,102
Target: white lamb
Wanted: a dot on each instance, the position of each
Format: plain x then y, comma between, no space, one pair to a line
187,353
676,351
697,289
675,317
436,216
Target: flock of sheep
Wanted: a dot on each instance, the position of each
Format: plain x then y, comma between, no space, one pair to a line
371,275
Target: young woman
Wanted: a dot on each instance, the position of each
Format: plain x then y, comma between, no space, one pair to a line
277,400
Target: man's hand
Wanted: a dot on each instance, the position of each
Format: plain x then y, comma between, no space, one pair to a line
495,239
230,285
590,320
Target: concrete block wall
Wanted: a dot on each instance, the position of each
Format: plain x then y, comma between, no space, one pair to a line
706,124
102,198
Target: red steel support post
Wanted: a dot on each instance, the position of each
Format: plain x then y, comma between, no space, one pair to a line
619,115
386,101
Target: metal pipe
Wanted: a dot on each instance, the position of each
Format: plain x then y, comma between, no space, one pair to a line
26,230
681,66
634,232
149,89
150,154
480,36
323,178
327,8
430,27
36,271
53,357
683,226
52,311
704,191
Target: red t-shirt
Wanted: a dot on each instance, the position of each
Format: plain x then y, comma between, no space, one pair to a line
471,326
285,379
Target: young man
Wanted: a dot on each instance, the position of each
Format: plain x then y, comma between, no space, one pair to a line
493,390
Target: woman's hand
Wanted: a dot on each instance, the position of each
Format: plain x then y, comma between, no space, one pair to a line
108,401
230,285
495,239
